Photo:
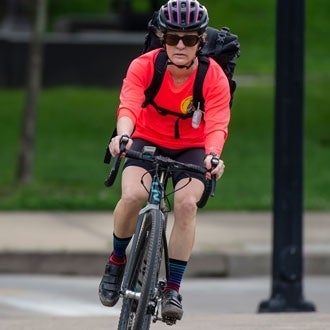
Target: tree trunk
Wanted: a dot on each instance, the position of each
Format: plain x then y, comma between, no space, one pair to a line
34,74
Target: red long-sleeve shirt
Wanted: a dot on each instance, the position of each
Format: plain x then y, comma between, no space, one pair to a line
159,129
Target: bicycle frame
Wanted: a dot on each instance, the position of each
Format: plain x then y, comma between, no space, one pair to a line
141,288
156,201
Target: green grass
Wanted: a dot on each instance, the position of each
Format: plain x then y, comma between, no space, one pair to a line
73,127
75,123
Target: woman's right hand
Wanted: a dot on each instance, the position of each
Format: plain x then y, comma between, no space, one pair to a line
114,145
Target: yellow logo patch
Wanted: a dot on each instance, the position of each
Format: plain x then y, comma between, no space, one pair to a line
187,105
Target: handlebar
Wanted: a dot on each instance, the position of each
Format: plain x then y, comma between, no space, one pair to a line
164,162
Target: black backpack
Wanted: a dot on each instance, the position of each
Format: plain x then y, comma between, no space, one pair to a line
221,45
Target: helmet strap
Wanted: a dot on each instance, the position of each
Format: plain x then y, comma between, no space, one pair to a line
181,66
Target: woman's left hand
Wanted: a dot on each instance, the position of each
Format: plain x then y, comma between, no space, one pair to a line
217,171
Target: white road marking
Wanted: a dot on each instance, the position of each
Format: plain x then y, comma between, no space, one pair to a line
56,306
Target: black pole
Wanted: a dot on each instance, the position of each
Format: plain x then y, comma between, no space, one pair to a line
287,261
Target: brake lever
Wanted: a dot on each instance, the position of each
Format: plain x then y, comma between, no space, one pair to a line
116,163
122,144
214,164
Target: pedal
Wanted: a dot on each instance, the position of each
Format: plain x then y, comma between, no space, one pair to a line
169,320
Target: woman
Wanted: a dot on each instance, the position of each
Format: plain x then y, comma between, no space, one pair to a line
195,139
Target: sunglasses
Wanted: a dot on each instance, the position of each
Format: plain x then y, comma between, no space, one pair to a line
188,40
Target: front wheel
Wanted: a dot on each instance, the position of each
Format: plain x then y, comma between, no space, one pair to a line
141,281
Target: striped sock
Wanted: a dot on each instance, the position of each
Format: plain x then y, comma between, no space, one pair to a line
176,271
118,255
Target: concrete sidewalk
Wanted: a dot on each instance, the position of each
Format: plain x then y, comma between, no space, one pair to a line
227,243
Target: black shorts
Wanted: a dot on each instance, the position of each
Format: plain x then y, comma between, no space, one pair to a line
192,156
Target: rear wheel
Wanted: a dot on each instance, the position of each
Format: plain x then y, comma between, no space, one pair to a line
142,277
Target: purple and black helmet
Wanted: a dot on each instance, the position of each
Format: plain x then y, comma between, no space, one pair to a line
183,15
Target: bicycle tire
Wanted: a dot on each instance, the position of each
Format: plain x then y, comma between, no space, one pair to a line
144,268
131,275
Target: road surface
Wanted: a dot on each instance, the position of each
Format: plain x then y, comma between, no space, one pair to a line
68,302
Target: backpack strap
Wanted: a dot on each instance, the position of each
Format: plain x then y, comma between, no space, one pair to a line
159,72
203,65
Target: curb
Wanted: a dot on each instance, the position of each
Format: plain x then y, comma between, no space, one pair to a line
200,265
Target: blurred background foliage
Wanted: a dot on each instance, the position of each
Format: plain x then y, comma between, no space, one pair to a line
75,122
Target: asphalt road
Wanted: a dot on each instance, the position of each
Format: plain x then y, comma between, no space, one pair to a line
67,302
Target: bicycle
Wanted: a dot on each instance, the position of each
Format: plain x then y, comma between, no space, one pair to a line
142,285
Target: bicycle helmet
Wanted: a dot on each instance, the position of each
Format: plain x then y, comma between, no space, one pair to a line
183,15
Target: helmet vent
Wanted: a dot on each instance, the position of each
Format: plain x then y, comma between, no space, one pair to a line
183,15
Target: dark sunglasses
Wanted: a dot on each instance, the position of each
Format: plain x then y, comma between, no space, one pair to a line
188,40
